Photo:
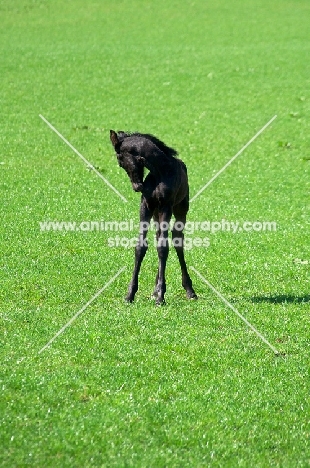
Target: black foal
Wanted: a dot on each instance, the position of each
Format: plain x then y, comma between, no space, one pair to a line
165,193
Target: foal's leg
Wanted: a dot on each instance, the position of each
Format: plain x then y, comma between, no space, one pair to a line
140,250
180,212
163,251
156,220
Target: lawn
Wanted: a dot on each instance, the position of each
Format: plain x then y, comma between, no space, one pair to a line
188,384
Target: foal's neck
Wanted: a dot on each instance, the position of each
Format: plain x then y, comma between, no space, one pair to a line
158,163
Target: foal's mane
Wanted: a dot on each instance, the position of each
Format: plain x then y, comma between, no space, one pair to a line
167,150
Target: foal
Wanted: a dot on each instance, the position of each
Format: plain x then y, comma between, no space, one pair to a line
165,193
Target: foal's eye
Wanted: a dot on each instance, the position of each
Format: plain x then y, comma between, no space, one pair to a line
134,152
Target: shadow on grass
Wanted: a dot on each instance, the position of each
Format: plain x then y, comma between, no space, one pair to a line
282,299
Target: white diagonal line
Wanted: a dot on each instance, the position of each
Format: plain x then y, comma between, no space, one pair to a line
82,310
236,311
82,157
233,158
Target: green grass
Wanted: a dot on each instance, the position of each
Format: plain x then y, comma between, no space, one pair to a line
188,384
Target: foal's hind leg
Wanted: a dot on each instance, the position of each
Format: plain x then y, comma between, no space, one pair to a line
180,212
140,250
163,251
156,220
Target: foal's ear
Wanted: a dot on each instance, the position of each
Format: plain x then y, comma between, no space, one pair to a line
113,137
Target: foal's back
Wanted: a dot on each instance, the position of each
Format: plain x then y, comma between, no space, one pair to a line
167,181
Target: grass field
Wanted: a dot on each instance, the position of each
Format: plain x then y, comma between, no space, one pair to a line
187,384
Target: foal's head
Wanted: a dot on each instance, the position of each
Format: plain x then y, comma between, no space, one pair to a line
129,159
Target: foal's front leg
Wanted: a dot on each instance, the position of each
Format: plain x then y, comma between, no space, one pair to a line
140,250
163,251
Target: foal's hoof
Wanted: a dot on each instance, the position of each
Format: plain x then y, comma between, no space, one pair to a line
129,299
192,295
160,302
